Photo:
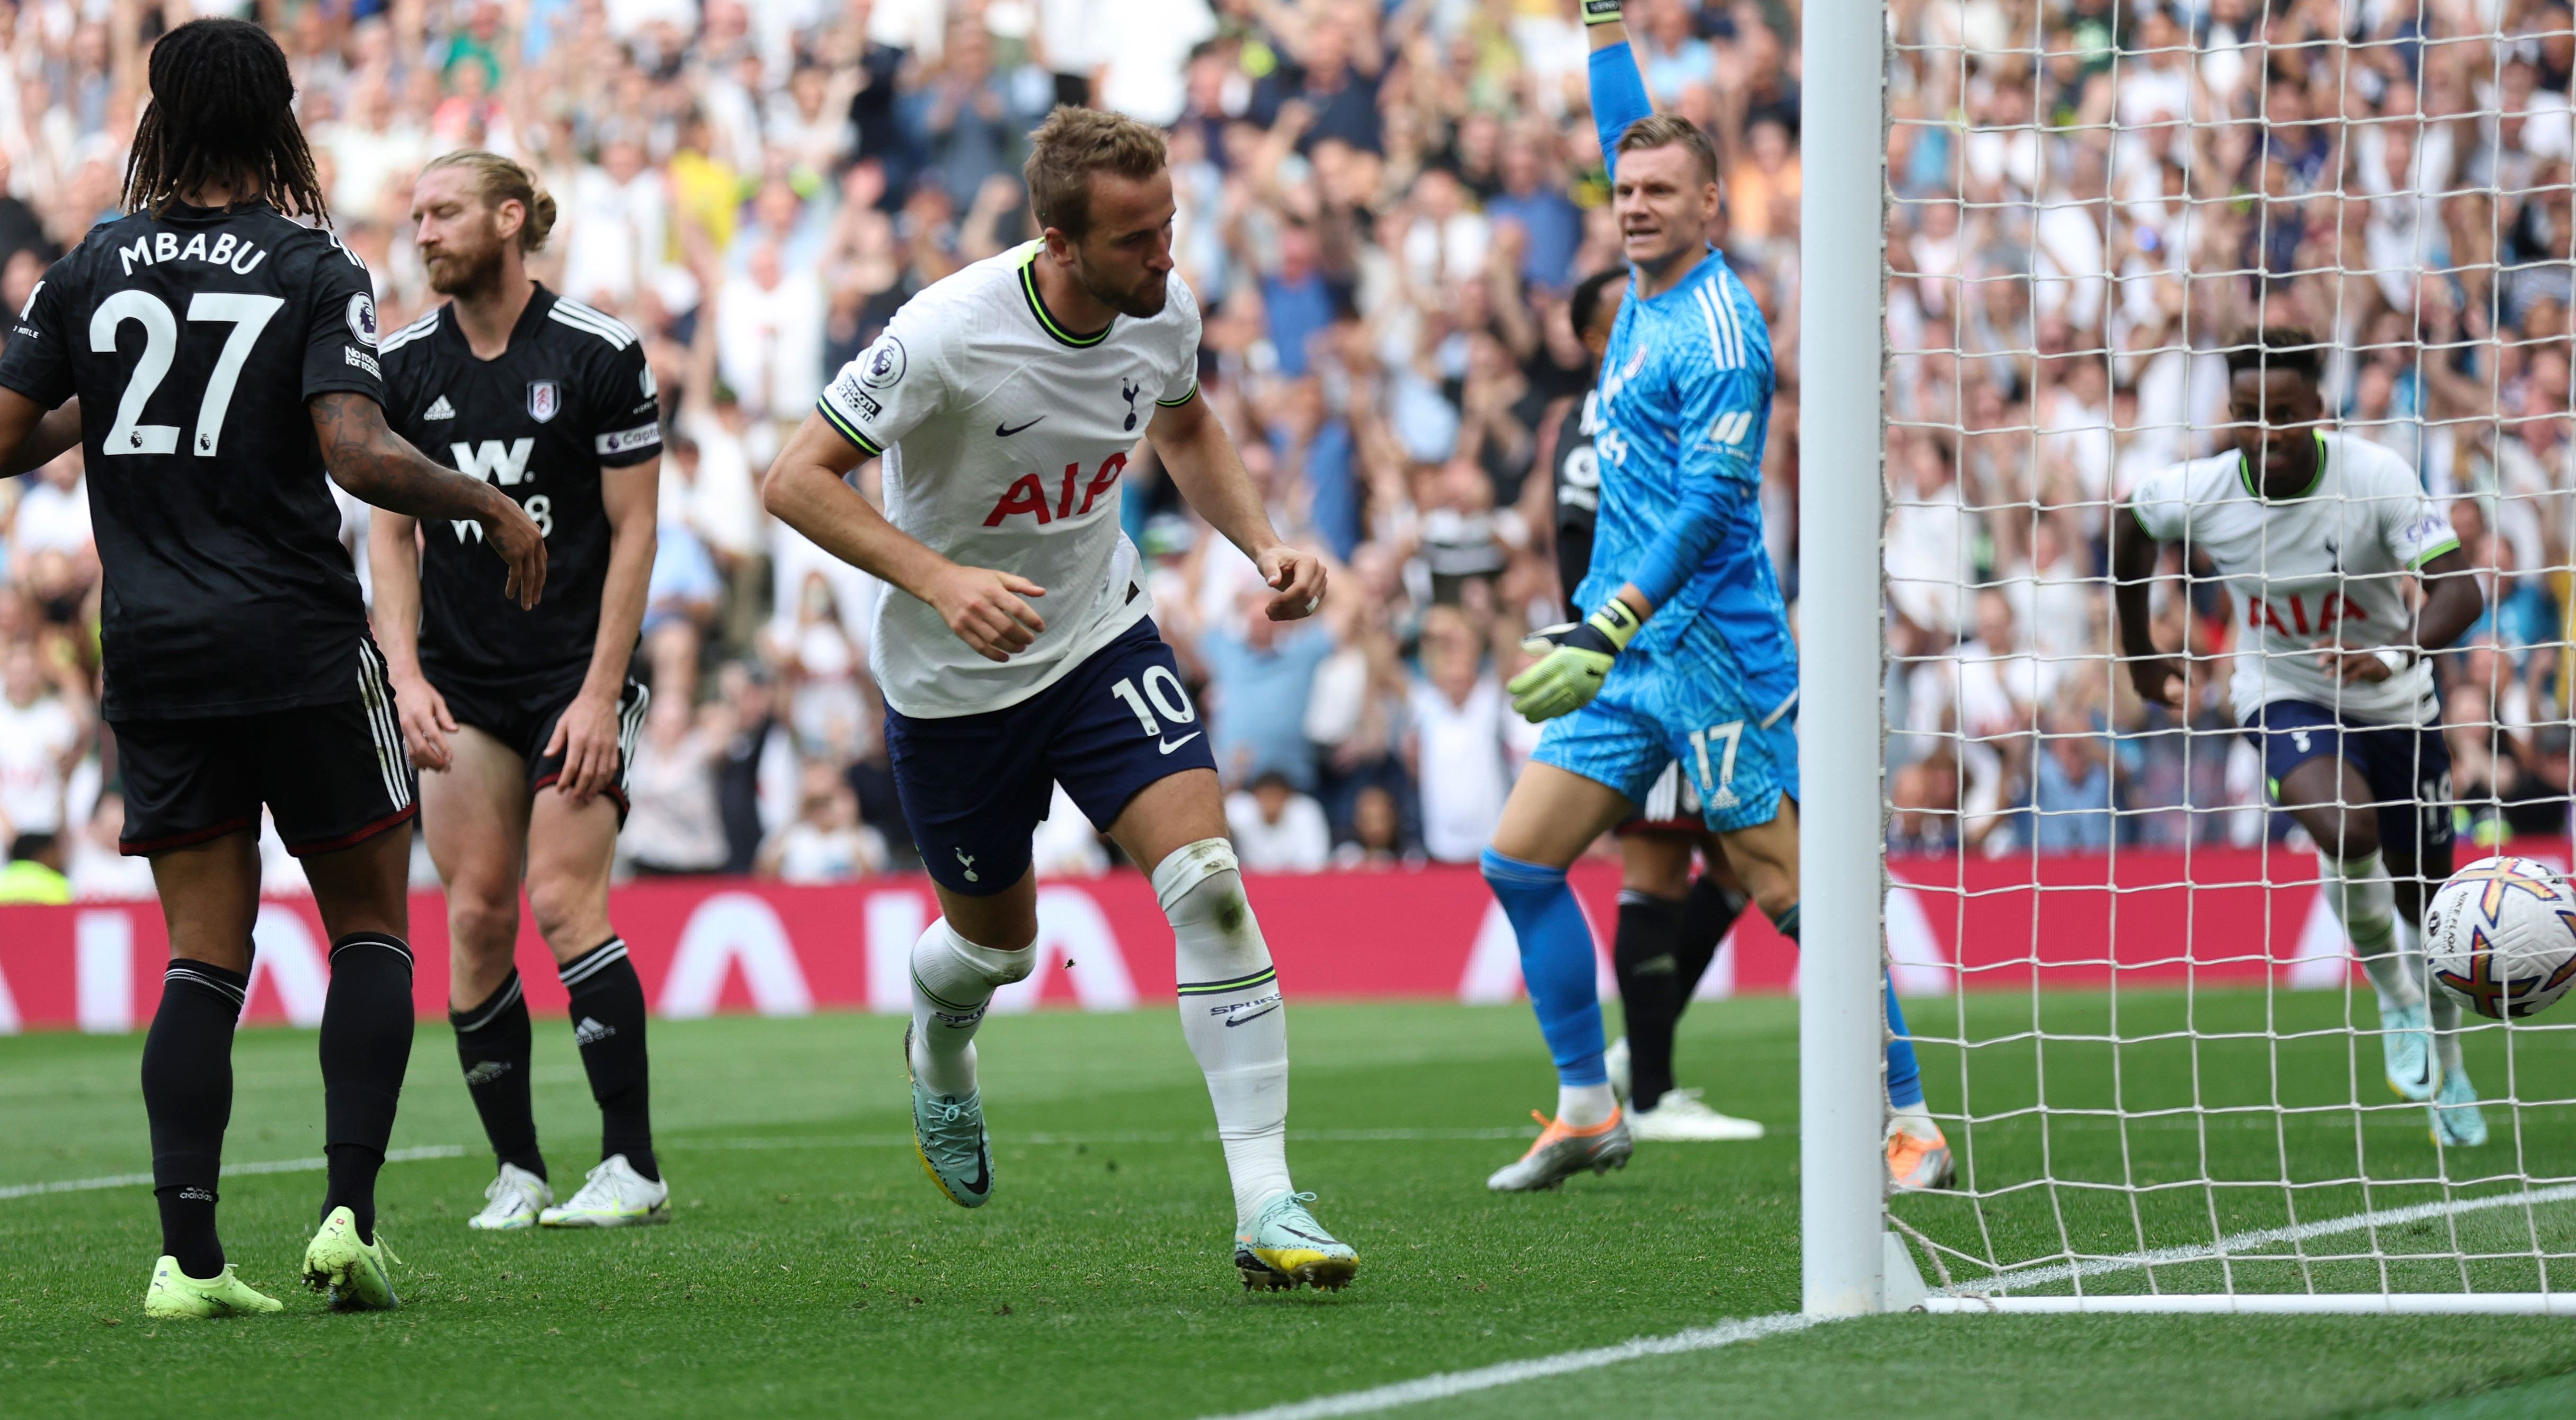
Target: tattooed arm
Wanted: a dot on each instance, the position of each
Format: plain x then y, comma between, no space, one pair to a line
378,466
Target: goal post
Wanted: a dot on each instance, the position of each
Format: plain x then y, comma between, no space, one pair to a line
2143,1029
1839,509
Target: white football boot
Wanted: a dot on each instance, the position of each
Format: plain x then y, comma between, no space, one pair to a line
612,1195
1679,1117
512,1201
1615,1060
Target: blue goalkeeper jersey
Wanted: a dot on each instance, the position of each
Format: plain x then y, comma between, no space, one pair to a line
1683,412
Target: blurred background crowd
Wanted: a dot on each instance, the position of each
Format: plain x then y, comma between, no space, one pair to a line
1383,204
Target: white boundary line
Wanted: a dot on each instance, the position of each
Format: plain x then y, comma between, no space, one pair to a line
131,1180
1450,1383
841,1141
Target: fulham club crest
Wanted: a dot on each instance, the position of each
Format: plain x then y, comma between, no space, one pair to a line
545,397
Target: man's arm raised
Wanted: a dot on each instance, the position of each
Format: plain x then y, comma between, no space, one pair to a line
1193,445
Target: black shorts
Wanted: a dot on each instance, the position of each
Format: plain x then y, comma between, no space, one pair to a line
975,787
333,776
2407,767
523,718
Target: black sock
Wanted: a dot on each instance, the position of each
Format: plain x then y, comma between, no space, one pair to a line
1786,924
366,1046
188,1096
608,1024
1650,991
1708,914
493,1043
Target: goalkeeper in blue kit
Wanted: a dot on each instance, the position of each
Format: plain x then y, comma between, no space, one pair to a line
1687,654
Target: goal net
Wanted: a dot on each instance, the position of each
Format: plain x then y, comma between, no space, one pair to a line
2142,1027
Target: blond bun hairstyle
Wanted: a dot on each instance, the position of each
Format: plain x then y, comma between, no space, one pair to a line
498,180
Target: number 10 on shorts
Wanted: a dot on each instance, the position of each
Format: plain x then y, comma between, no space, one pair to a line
1162,688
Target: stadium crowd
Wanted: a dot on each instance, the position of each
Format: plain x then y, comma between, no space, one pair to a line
1383,204
2090,204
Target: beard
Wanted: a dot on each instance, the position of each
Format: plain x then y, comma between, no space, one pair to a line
457,271
1142,303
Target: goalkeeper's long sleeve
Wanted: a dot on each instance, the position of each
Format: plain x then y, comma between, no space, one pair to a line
1618,98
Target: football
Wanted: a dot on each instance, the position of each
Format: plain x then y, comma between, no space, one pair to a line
2501,935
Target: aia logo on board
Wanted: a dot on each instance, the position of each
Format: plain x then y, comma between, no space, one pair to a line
545,400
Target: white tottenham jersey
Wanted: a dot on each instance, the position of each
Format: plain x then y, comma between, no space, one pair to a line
2322,570
1004,438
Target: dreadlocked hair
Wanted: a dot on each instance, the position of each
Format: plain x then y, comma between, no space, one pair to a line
222,111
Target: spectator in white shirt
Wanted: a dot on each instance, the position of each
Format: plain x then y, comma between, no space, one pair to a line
40,740
769,336
53,514
98,867
1276,829
1457,740
825,842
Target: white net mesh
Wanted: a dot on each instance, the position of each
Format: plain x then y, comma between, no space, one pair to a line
2140,1022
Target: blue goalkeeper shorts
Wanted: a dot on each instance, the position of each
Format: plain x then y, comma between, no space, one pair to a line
1735,734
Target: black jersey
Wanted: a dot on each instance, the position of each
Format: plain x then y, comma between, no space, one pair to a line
570,396
1578,495
194,340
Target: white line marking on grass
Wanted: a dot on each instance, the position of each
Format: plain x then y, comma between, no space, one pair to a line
2235,1246
1451,1383
1205,1136
131,1180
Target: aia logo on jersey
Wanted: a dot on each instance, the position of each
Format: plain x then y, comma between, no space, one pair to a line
1028,493
545,400
2300,621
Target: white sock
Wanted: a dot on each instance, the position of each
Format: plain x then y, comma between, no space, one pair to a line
2366,902
1231,1015
1583,1106
2442,1005
953,980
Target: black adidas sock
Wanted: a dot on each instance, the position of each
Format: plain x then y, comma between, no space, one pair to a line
608,1024
1650,991
366,1046
188,1096
493,1042
1707,915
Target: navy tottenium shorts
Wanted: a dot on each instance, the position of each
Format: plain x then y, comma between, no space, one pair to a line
2407,768
975,787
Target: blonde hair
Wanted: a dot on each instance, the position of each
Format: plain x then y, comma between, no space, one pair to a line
1073,144
498,180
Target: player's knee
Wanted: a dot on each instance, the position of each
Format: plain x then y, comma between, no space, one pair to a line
481,924
570,915
1200,886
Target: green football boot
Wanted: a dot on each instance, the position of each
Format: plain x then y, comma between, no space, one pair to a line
351,1273
176,1296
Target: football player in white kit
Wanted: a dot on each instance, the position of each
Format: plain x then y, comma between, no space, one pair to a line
2316,535
1005,400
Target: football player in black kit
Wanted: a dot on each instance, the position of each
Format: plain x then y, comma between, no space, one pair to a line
525,721
223,360
1669,927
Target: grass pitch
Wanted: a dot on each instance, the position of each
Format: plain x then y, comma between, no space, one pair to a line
812,1270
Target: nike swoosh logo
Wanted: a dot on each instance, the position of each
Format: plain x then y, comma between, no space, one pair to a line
1170,745
1232,1021
983,1183
1004,431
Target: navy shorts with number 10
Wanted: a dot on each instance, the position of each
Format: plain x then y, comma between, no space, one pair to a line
975,787
2407,768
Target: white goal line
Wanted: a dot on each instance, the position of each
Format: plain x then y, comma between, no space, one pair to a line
1985,1293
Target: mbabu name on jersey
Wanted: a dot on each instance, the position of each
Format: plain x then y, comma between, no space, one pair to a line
569,397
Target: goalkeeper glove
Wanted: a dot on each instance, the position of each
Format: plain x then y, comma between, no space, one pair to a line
1573,660
1600,12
